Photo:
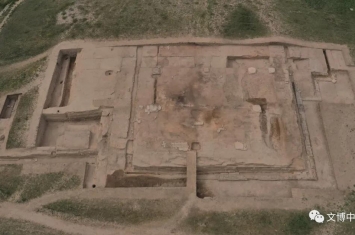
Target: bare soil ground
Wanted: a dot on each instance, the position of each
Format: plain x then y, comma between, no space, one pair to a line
270,121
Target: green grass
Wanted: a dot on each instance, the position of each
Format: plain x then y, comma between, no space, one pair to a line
31,29
10,180
20,227
117,211
32,186
136,19
2,6
37,185
25,109
319,20
3,3
244,23
276,222
15,79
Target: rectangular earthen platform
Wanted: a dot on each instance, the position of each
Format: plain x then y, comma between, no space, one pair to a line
246,110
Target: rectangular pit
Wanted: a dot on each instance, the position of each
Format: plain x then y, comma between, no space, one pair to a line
78,134
62,78
9,106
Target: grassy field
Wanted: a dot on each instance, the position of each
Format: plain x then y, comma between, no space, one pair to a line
319,20
19,227
3,3
32,186
20,124
10,180
37,185
250,222
33,27
116,211
265,222
16,79
242,222
244,23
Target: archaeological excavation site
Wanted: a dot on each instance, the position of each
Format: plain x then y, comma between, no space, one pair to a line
252,121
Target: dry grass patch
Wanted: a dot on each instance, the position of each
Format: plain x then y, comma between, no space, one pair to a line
116,211
38,185
17,78
26,187
10,180
31,29
4,3
20,227
276,222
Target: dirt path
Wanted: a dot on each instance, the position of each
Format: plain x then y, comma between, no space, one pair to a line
21,64
21,212
9,13
18,212
29,212
5,9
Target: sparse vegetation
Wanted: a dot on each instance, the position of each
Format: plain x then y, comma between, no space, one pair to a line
129,20
32,186
20,227
25,109
33,26
10,180
244,23
37,185
120,212
15,79
31,29
250,222
3,3
319,20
